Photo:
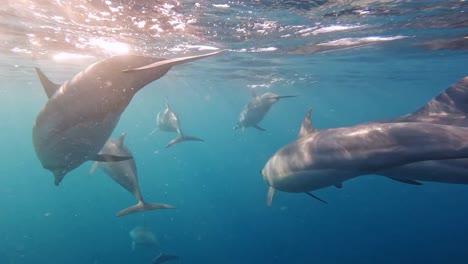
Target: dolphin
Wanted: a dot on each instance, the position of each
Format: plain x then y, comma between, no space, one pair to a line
255,110
81,114
426,145
142,236
168,121
125,174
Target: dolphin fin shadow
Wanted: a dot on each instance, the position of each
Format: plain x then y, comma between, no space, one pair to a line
181,139
315,197
412,182
109,158
142,206
164,257
259,128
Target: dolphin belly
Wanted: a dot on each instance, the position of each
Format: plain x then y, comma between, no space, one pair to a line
444,171
306,181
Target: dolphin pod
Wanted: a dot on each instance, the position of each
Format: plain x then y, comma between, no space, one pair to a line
81,114
256,109
430,144
125,174
168,121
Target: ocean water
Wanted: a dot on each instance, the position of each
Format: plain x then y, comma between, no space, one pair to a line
351,61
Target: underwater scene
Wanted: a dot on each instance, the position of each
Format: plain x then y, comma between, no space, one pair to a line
256,131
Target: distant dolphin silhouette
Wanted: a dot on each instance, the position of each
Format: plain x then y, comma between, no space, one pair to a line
255,110
433,140
125,174
168,121
81,114
142,236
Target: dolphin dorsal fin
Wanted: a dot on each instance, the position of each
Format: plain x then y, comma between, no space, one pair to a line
49,87
306,127
121,139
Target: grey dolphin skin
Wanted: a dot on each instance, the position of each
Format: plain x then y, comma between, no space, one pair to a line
430,144
125,174
255,110
167,120
81,114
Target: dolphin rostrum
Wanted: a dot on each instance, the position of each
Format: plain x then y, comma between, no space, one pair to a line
81,114
167,120
255,110
125,174
428,145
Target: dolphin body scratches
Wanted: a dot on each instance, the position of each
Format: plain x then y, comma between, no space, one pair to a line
168,121
125,173
430,144
256,109
81,114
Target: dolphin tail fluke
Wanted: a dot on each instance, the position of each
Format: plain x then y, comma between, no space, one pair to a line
181,139
175,61
142,206
164,257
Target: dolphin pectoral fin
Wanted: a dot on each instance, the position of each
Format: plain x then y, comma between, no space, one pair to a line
259,128
49,87
164,257
58,177
121,139
412,182
154,130
306,127
315,197
270,194
181,139
109,158
175,61
283,96
142,206
94,167
339,185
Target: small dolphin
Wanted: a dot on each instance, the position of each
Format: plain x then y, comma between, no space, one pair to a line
255,110
167,120
161,258
426,145
81,114
142,236
125,174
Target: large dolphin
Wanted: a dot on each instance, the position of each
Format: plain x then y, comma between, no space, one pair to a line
167,120
125,174
430,144
255,110
81,114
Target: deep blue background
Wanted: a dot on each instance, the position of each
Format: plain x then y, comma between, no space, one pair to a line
221,216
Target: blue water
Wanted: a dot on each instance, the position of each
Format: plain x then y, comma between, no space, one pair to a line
221,214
